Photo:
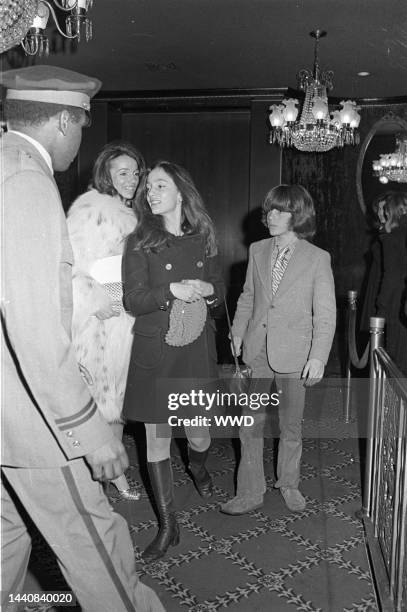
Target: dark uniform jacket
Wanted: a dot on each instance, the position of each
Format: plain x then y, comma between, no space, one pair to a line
147,295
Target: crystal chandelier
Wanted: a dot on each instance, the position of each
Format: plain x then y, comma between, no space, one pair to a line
24,21
316,129
393,166
15,19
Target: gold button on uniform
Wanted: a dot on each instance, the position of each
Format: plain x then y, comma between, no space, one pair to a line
168,266
199,264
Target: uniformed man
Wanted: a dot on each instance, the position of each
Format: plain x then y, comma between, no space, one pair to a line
56,446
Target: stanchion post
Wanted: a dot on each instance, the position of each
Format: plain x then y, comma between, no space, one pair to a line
352,305
376,341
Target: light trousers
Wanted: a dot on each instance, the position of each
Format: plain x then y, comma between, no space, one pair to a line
251,482
92,543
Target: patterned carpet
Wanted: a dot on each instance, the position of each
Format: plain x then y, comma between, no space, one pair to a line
271,559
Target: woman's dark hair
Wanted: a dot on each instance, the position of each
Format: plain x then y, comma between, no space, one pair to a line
101,179
296,200
373,210
395,207
150,231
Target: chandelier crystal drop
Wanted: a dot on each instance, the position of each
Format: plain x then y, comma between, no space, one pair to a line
392,167
317,129
25,22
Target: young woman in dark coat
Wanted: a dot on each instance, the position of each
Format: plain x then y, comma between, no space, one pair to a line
171,254
390,299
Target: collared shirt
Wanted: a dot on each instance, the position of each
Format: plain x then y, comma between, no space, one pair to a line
279,262
44,153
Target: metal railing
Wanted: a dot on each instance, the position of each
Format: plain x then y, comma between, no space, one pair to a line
384,510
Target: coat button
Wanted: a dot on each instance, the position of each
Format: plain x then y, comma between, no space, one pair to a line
69,433
76,443
168,266
264,325
199,264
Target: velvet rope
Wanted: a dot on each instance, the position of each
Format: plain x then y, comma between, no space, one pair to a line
353,354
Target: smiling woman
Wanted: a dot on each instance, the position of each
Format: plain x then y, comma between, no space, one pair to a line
172,280
125,175
164,199
99,222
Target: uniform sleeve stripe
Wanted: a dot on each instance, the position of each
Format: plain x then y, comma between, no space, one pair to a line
77,415
78,422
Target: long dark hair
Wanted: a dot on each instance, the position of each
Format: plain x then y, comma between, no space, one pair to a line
101,179
150,232
395,209
296,200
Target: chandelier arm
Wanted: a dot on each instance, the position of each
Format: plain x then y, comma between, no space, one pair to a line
64,8
52,11
27,50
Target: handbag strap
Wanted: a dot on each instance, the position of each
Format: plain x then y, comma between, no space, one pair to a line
232,338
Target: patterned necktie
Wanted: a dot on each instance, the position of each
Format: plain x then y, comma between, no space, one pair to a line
278,270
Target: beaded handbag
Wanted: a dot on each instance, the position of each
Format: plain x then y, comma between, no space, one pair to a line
187,320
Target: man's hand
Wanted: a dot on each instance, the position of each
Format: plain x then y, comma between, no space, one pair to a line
313,372
237,343
108,461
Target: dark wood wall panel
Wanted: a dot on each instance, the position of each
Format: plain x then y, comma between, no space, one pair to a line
93,139
214,146
228,155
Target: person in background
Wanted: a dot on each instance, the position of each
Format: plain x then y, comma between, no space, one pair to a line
392,289
56,445
375,264
285,319
170,266
99,222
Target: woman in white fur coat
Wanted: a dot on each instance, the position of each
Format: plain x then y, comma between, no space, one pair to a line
99,222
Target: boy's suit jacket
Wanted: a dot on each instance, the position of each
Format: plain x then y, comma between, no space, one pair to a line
48,415
299,320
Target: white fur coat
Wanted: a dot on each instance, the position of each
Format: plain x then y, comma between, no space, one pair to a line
98,225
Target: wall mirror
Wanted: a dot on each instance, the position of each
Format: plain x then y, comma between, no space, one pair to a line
380,139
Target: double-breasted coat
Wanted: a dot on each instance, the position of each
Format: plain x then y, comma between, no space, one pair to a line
147,277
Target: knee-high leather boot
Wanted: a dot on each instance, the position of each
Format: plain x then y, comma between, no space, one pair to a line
200,474
168,533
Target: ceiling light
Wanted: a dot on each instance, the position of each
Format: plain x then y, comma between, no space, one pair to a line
393,166
364,73
15,19
25,21
316,129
